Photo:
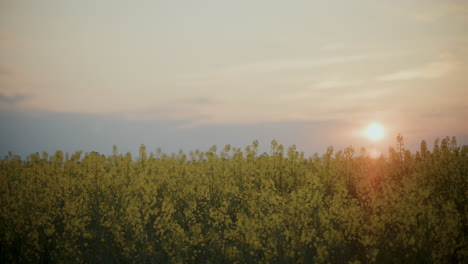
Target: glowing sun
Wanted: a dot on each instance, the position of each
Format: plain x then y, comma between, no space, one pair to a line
375,131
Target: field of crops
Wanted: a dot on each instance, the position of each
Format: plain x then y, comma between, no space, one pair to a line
237,206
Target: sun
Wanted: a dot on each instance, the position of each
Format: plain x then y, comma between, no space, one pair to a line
375,131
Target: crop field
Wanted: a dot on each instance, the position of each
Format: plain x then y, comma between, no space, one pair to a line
234,205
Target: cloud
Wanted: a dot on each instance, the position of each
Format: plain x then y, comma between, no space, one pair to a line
324,90
441,10
202,101
4,71
299,64
177,112
443,111
196,110
334,46
429,71
11,98
328,84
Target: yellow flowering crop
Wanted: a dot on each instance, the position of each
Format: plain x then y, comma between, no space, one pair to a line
236,206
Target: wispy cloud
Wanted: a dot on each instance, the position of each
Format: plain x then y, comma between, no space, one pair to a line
334,46
443,9
4,71
11,98
202,101
189,110
299,64
329,84
185,113
322,90
429,71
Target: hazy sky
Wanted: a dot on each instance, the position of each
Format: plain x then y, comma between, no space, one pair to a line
314,73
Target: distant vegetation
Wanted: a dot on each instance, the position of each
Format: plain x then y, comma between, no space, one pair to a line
235,206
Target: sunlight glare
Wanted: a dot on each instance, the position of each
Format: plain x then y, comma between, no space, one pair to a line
375,131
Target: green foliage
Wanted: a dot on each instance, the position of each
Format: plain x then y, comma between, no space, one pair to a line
236,206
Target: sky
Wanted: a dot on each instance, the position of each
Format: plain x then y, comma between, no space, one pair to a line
87,75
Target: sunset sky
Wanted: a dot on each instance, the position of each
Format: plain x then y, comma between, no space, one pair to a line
85,75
